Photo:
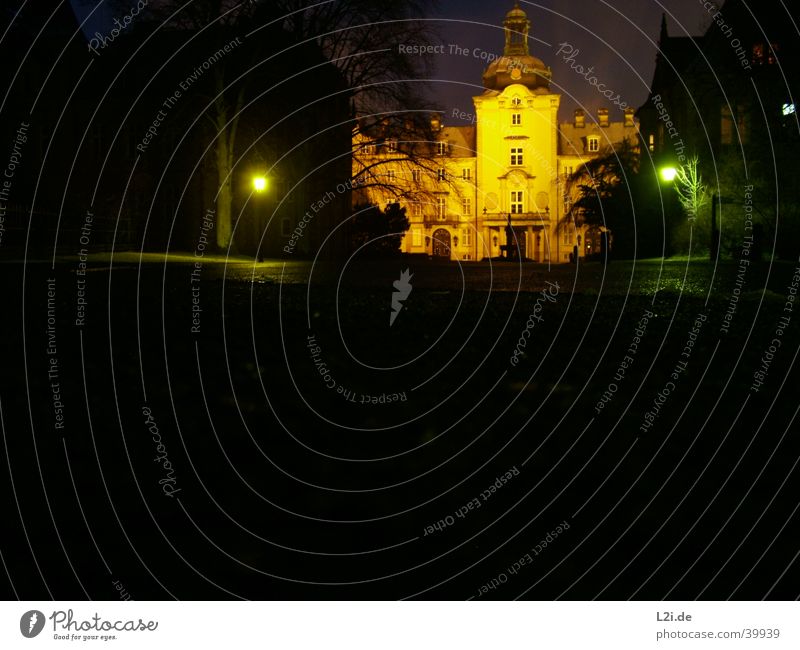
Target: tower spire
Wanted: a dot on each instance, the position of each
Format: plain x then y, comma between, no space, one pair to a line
664,34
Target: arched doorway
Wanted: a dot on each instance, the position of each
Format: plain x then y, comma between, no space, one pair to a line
592,245
441,243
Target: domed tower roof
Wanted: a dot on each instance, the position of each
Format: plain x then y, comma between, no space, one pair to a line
517,66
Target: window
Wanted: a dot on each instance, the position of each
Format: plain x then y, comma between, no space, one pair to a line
466,206
516,102
369,149
441,208
516,202
415,175
441,174
416,209
788,109
391,146
764,54
516,119
391,175
466,237
442,148
466,173
516,156
593,145
567,237
651,143
758,54
568,171
726,126
416,237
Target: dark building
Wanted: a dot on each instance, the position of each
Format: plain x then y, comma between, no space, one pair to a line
728,97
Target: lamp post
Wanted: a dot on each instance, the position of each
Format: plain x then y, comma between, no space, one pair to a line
668,175
260,185
716,201
477,234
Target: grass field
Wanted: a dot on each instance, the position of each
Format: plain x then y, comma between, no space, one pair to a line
314,446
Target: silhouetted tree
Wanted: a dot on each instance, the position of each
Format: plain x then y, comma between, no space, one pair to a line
607,195
378,233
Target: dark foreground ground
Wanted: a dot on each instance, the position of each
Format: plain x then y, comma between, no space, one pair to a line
285,441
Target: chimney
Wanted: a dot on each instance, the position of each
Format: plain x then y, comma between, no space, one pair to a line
629,115
580,118
602,116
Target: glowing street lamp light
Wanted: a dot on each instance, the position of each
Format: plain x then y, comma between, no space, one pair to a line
259,183
668,174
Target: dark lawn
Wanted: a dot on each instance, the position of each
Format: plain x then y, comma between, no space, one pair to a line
318,469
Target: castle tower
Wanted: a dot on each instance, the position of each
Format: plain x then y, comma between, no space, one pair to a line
517,131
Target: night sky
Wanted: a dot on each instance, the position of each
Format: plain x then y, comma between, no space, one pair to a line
617,37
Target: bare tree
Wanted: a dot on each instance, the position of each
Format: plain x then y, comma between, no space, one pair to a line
363,38
692,192
358,38
395,127
403,158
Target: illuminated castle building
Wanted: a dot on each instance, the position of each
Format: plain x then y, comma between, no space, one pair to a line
512,162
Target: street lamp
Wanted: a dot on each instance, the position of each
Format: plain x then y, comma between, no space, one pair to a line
668,174
259,183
